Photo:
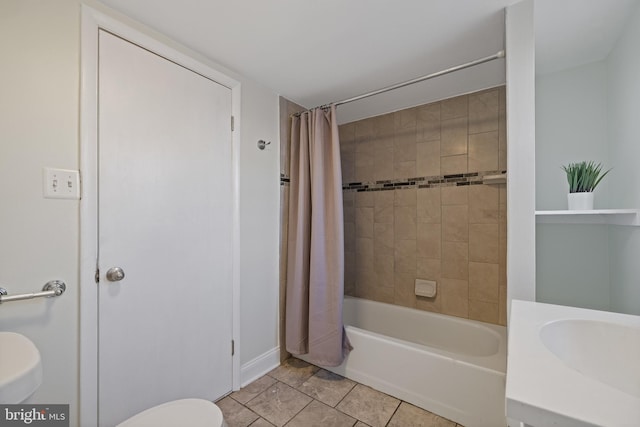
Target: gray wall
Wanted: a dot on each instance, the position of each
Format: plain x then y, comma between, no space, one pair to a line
623,84
572,261
591,113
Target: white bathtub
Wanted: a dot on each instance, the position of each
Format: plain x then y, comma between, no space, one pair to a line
447,365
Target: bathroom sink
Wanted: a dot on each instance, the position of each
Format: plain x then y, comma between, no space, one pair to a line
595,349
572,367
20,368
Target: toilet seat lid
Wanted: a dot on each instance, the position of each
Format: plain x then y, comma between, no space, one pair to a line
184,412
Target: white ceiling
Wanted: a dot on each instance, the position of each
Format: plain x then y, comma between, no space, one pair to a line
576,32
316,52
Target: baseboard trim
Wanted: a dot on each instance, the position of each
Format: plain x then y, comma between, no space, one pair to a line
259,366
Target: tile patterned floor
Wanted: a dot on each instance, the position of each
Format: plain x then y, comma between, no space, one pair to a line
298,394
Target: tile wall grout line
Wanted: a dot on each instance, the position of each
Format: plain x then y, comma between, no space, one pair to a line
439,181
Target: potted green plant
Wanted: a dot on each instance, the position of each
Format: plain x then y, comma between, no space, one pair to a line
583,178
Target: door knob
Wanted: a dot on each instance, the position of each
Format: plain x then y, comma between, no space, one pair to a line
115,274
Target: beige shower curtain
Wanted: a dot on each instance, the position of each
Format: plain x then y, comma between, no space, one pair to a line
315,252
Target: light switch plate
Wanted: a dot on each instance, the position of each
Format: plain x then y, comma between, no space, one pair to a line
61,184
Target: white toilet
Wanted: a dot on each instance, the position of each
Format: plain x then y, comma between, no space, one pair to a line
184,412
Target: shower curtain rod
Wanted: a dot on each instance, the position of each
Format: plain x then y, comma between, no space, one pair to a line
498,55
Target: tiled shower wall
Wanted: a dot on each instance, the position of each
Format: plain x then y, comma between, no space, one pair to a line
416,207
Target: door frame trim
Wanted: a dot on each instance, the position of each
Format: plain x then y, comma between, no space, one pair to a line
91,21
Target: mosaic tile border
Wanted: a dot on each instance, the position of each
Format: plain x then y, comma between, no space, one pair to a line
461,179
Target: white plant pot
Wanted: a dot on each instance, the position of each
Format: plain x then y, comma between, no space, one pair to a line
580,201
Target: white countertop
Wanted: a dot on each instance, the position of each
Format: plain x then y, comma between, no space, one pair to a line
543,391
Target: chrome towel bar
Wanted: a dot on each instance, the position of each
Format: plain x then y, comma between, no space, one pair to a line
52,288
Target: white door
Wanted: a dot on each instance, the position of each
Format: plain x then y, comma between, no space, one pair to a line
165,216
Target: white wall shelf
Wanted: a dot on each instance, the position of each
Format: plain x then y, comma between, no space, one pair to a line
596,216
